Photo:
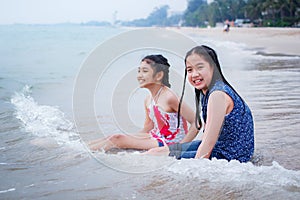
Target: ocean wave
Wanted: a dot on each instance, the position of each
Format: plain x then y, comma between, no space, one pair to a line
131,161
8,190
42,120
241,49
236,173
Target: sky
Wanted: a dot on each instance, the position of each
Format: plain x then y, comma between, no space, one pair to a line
77,11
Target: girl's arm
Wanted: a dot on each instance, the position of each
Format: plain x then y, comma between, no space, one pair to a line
148,124
219,103
188,114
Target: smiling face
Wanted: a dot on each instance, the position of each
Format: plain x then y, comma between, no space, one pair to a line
199,72
146,76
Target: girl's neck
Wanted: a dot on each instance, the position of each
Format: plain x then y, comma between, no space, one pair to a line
155,89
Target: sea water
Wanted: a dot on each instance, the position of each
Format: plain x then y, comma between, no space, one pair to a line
43,156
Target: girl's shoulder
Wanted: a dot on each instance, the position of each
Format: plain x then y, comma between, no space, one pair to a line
221,86
170,95
168,100
147,100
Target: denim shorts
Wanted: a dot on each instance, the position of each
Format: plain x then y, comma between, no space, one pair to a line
184,150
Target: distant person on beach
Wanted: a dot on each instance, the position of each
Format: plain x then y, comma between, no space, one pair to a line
226,27
160,127
228,131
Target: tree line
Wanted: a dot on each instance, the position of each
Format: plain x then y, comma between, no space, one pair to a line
276,13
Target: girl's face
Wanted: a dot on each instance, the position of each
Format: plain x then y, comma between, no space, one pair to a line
145,75
199,72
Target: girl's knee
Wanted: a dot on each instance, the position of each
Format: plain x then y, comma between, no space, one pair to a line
117,140
116,137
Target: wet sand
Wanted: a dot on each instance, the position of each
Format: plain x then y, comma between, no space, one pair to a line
266,40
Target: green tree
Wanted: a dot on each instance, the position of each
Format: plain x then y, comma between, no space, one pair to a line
280,12
198,12
193,5
195,14
263,12
159,16
253,9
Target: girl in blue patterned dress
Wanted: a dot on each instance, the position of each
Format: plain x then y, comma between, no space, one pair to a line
228,124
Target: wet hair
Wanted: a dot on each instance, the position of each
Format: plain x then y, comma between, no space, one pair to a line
159,64
210,56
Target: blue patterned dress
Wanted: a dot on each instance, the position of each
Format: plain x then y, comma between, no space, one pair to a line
236,139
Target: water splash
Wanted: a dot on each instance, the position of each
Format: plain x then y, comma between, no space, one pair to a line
130,161
236,173
42,120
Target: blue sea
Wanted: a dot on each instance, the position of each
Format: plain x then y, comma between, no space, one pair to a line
43,153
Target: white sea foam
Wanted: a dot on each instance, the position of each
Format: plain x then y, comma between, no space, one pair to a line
236,173
8,190
3,163
203,170
42,120
133,162
242,50
259,55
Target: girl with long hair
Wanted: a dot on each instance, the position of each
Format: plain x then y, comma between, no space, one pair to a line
228,129
161,126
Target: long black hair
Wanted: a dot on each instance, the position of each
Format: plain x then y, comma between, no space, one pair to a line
210,56
159,63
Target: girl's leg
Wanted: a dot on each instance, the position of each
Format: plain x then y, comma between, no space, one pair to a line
95,141
98,143
158,151
191,146
125,142
183,154
184,150
188,146
178,150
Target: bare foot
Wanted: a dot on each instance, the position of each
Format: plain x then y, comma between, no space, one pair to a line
95,146
158,151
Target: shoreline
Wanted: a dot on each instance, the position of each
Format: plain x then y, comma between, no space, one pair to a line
282,41
267,40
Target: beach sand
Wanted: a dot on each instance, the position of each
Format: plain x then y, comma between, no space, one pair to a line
266,40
